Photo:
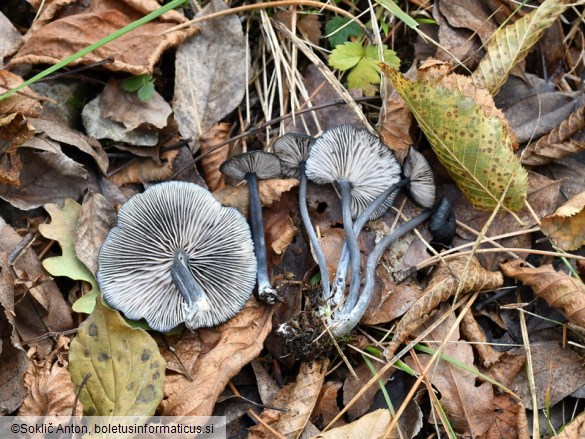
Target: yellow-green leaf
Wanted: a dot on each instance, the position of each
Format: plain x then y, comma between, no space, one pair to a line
509,45
62,229
127,370
470,136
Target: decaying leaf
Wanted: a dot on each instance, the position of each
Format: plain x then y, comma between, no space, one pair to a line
467,132
327,407
62,229
225,350
209,87
145,170
510,44
557,143
280,229
510,415
299,398
566,225
307,24
26,101
456,276
127,370
559,290
50,390
180,351
373,425
212,157
270,192
576,428
396,124
14,131
96,218
135,52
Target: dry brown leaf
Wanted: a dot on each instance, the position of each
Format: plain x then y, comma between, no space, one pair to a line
211,157
267,387
10,38
353,386
575,429
396,123
144,170
443,285
307,24
468,406
327,407
371,426
508,414
557,143
135,52
50,390
225,350
280,230
126,108
300,400
25,101
96,219
471,331
559,290
10,167
270,192
566,225
508,366
180,352
14,131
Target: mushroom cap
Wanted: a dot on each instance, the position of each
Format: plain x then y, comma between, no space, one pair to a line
292,149
356,155
136,258
264,164
422,182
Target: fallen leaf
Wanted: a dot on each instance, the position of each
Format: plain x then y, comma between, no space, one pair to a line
225,350
267,387
373,426
565,226
212,157
280,230
126,108
127,371
10,38
508,366
62,229
307,24
574,429
50,390
180,352
135,52
327,407
472,332
558,372
510,44
352,386
145,170
456,276
207,88
508,412
299,398
96,218
468,133
26,101
396,124
559,290
14,131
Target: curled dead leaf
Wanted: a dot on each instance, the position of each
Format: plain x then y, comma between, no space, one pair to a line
144,170
26,101
211,157
565,226
559,290
282,230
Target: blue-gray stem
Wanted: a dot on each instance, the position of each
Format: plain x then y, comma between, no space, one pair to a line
343,324
351,240
265,291
189,288
341,273
310,230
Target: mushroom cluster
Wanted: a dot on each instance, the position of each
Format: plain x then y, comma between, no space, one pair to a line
177,255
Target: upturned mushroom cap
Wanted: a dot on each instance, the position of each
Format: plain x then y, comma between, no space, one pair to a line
356,155
264,164
292,149
136,259
422,181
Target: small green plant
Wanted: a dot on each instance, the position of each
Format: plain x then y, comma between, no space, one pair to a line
365,73
340,29
143,85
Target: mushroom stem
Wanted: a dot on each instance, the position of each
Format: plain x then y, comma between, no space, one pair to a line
195,299
310,230
265,291
341,273
343,324
351,240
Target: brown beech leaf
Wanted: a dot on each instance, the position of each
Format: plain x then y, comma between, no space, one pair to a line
396,123
508,366
443,285
559,290
565,226
50,389
509,414
299,398
557,143
145,170
373,426
96,219
280,230
225,350
14,131
135,52
270,192
26,101
327,407
211,157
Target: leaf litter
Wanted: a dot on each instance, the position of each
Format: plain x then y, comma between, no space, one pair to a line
215,97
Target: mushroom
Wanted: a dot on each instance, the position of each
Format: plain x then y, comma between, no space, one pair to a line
252,166
363,167
442,225
177,255
292,150
422,182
